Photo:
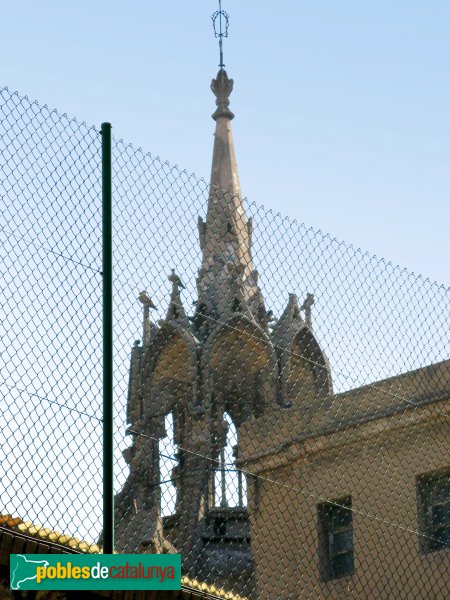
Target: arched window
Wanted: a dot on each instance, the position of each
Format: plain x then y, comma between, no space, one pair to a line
230,485
168,460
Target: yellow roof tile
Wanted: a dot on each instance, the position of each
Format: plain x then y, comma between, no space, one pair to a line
66,540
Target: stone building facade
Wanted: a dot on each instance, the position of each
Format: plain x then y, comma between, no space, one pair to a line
382,450
273,380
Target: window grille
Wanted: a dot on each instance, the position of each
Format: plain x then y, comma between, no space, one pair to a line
336,539
230,487
433,503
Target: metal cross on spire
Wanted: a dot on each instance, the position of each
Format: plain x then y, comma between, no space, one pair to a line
220,21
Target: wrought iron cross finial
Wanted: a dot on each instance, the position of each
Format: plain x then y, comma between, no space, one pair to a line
220,21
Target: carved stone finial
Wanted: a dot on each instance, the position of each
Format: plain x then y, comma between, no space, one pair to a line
306,306
176,311
148,328
222,87
289,323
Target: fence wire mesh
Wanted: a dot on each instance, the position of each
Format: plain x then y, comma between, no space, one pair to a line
51,315
281,397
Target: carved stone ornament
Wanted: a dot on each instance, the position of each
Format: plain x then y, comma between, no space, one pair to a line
222,87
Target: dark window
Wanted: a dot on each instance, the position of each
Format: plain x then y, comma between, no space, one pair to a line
220,526
335,538
433,510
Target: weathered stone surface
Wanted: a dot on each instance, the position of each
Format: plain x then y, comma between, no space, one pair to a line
221,361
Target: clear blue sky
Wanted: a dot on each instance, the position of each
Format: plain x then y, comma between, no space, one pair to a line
342,108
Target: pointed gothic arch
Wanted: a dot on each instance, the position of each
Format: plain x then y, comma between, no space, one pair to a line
304,370
168,467
169,385
239,368
230,484
170,370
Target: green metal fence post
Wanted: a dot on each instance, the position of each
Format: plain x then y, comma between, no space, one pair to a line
108,460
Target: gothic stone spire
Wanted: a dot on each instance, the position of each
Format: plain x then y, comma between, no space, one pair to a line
225,237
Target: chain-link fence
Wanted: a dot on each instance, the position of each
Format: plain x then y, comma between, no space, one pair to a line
51,318
281,398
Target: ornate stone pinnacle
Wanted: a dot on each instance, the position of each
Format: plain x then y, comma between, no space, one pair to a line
306,306
222,87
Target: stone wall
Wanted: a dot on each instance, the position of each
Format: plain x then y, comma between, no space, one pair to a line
377,467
